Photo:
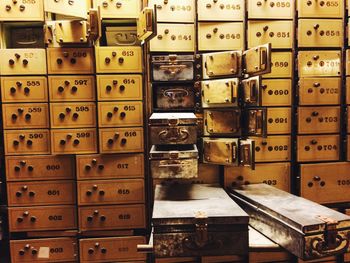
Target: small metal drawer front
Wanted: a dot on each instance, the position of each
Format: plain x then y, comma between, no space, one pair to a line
321,9
174,168
111,249
220,36
279,33
76,8
220,93
276,92
73,115
174,38
71,32
70,61
121,140
173,134
108,192
174,11
23,61
275,174
110,166
118,9
111,217
118,59
21,142
221,10
26,37
119,87
122,36
172,67
42,218
320,33
72,88
270,9
281,65
312,148
319,91
319,185
63,249
45,167
21,10
319,63
279,120
272,149
75,141
316,120
28,116
24,89
41,193
176,96
120,114
221,122
220,151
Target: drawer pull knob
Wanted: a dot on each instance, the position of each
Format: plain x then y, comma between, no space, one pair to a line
17,55
107,60
317,178
108,88
109,114
257,149
122,87
258,3
22,136
20,110
321,33
316,57
101,192
308,119
95,186
94,161
222,6
13,90
30,168
115,82
60,89
88,167
114,54
317,84
123,141
75,115
31,193
25,62
264,143
62,142
208,6
208,36
88,193
66,82
115,109
96,212
17,168
323,183
309,3
271,34
66,54
22,8
315,113
29,142
116,135
272,4
59,61
62,115
310,184
18,194
73,61
19,219
89,218
309,33
21,252
8,8
69,136
27,246
258,34
121,60
316,26
34,251
110,141
23,163
15,142
24,187
68,109
313,142
33,219
160,37
14,117
118,4
103,218
122,114
307,148
103,250
25,213
26,90
76,142
11,62
91,251
97,244
321,3
71,2
265,28
28,116
74,89
159,7
101,167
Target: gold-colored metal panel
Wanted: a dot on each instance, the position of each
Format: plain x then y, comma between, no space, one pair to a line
76,8
281,65
279,120
25,116
321,9
121,140
220,93
22,10
174,11
222,122
174,38
312,148
74,141
319,91
220,10
316,120
23,61
272,148
220,151
71,32
320,33
279,33
220,64
120,114
118,9
118,59
276,92
275,174
220,36
21,142
271,9
319,63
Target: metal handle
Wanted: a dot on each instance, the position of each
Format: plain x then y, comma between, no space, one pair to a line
172,93
173,135
124,41
172,69
321,246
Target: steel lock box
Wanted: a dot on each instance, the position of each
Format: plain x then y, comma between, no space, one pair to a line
75,8
316,120
120,114
61,249
70,32
222,122
73,115
270,9
276,92
220,36
281,65
272,149
25,116
220,93
109,166
320,33
24,89
318,185
25,37
279,33
118,59
319,63
41,193
74,141
320,9
221,10
121,140
174,38
21,142
279,120
275,174
42,218
118,9
21,10
39,168
108,192
72,88
119,87
312,148
111,217
70,60
173,11
23,61
319,91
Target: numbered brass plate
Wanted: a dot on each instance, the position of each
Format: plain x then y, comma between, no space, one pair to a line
276,92
279,120
174,11
281,65
220,151
321,9
272,149
221,10
270,9
76,8
220,93
221,64
23,11
118,9
222,122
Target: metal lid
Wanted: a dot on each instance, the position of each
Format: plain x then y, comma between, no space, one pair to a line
173,118
173,152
